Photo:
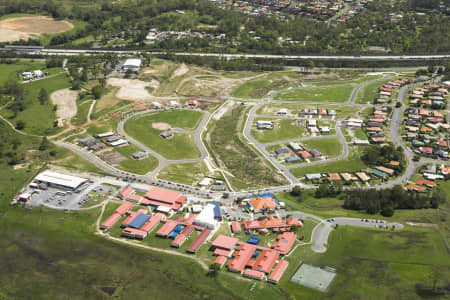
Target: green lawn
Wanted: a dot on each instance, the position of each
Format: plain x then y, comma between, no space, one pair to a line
180,146
369,93
39,119
82,112
346,81
352,163
141,167
259,88
330,147
283,129
336,94
186,173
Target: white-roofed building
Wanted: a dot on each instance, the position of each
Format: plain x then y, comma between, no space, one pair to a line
119,142
59,180
106,134
133,64
196,208
206,217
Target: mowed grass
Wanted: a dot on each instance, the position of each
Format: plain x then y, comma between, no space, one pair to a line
259,88
82,112
374,264
185,173
336,94
369,93
39,119
141,167
352,163
180,146
330,147
283,129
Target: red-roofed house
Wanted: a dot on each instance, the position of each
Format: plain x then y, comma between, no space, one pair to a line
254,274
160,197
133,233
270,222
259,203
426,150
220,260
179,240
224,242
235,227
425,182
125,192
278,272
167,228
304,154
222,252
284,242
416,188
240,257
108,223
201,238
124,208
266,260
442,144
135,198
152,222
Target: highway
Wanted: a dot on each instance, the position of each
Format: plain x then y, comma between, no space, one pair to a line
71,52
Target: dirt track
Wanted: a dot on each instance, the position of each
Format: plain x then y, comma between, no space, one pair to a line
14,29
131,89
66,101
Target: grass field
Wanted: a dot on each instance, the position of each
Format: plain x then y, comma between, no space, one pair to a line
179,146
368,93
10,71
345,80
259,88
352,163
185,173
44,124
283,129
141,167
330,147
336,94
82,112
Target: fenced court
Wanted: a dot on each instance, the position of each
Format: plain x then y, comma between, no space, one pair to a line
314,277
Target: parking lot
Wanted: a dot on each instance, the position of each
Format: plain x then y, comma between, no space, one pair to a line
63,199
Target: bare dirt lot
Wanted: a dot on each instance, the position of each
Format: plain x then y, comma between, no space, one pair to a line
66,102
131,89
161,126
113,158
180,71
14,29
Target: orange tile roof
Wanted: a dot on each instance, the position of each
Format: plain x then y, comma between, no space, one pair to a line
426,182
152,222
225,242
108,223
135,197
222,252
385,170
220,260
125,192
164,196
415,187
195,245
124,208
260,203
278,272
241,257
334,176
235,227
167,228
284,242
266,260
253,274
394,163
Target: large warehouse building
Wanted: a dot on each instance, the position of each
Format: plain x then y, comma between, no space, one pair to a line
59,180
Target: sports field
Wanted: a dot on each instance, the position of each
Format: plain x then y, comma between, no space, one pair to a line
179,146
336,94
25,27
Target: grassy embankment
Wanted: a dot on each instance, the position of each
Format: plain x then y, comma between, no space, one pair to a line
225,142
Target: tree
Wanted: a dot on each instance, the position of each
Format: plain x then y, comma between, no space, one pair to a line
388,210
44,144
398,104
297,193
43,96
213,270
20,125
75,84
84,75
97,91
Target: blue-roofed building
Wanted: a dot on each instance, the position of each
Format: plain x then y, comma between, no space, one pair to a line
139,220
254,240
217,212
178,228
173,234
